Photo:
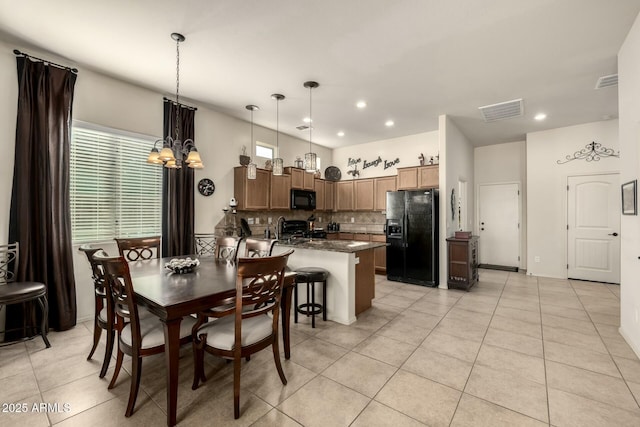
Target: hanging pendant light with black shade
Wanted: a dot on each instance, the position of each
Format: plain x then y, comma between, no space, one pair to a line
310,164
278,163
252,168
173,150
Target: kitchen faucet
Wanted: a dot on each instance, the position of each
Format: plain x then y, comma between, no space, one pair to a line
278,229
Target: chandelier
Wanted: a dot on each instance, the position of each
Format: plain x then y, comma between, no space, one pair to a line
310,164
252,168
278,162
174,150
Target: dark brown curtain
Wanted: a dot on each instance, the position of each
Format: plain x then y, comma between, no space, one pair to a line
40,217
177,184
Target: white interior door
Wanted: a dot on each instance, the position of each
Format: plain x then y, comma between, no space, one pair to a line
499,224
593,239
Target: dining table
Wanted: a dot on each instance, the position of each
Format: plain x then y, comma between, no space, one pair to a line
172,296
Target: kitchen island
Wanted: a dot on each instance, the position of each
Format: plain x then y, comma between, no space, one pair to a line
351,282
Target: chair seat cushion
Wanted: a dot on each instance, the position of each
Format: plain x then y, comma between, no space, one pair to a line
152,330
311,274
15,292
221,333
102,316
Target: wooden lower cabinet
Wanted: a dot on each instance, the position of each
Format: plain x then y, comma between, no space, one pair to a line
380,254
346,236
365,280
463,262
361,237
333,236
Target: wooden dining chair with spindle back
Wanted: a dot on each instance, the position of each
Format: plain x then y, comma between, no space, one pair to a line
139,248
258,248
205,244
227,248
248,325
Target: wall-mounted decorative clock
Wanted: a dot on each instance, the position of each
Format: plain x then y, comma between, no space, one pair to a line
206,187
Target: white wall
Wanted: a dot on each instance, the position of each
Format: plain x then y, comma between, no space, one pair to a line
406,148
547,188
456,163
504,163
629,128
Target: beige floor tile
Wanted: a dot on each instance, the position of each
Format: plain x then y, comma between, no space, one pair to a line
23,413
14,360
630,368
332,404
515,342
470,316
378,415
385,349
515,326
607,319
428,306
508,390
608,331
419,398
591,385
360,373
396,300
522,315
561,301
413,293
56,373
444,296
370,321
424,320
615,289
481,308
580,357
617,346
582,326
570,313
344,336
452,346
474,412
462,329
402,331
264,381
275,418
519,364
568,409
316,355
17,387
635,390
589,341
439,367
521,304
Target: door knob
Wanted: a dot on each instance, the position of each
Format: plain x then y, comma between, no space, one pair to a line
613,234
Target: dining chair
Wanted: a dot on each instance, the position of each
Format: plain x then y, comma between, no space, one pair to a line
258,248
14,292
249,325
138,336
205,244
227,247
104,317
139,248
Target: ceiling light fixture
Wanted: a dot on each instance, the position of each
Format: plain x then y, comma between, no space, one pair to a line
310,157
278,162
540,116
389,123
341,133
361,104
252,168
173,149
307,120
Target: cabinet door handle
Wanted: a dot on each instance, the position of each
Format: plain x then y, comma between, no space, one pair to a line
613,234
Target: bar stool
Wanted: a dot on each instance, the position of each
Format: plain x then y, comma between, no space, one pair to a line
311,275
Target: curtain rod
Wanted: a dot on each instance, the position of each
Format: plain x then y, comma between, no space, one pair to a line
188,107
47,62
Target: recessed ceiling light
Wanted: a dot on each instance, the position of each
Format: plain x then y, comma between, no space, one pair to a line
540,116
389,123
361,104
340,133
307,120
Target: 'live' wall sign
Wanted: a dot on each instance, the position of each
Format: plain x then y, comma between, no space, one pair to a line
373,163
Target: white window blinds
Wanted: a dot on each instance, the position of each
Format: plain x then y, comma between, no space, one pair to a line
113,191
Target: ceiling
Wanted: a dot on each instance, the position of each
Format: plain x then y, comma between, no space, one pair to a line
410,60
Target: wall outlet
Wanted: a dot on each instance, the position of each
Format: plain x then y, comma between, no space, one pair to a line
270,220
250,221
536,258
257,220
353,219
319,219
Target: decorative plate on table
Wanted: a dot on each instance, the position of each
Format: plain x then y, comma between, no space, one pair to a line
332,173
181,266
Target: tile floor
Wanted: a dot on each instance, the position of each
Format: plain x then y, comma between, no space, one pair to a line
515,351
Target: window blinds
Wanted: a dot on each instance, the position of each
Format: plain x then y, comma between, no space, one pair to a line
113,191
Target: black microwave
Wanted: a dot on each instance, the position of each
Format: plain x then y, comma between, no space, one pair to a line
303,199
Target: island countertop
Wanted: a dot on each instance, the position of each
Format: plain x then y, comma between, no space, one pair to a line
347,246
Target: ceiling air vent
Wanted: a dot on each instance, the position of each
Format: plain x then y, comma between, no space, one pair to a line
502,110
302,127
607,81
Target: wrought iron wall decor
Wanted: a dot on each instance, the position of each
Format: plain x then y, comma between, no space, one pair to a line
591,152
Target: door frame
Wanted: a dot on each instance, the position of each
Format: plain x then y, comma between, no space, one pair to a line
521,229
565,200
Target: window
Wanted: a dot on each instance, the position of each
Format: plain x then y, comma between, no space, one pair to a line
113,191
264,150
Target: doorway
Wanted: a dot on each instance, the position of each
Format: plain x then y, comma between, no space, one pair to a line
499,225
593,227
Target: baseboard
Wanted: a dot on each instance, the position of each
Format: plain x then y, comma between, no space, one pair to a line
498,267
635,349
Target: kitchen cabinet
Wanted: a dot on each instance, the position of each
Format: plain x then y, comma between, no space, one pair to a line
363,194
280,197
344,195
251,194
428,176
300,180
418,177
329,196
333,236
463,262
380,188
345,236
361,237
308,181
320,195
380,254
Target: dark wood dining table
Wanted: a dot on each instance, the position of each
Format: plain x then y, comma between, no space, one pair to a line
172,296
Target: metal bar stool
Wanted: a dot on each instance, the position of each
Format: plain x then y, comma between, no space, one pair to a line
311,275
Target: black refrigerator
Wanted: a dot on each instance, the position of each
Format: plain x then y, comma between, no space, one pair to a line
412,236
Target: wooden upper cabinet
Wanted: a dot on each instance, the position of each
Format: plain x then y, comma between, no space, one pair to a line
344,195
320,195
363,198
297,177
329,196
308,181
280,192
428,176
251,194
407,178
380,188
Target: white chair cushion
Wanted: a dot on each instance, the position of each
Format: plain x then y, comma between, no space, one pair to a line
221,333
152,330
103,315
142,312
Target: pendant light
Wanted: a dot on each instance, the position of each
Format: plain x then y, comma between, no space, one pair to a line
310,164
252,168
278,163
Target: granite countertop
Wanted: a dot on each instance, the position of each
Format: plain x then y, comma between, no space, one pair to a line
348,246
